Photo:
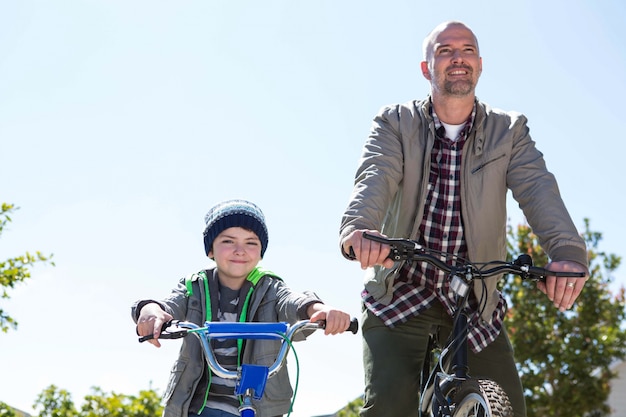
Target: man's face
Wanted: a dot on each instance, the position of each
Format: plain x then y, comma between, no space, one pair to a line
453,63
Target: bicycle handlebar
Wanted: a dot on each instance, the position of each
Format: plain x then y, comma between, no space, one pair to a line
410,250
246,330
175,329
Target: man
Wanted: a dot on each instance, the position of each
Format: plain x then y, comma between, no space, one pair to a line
437,170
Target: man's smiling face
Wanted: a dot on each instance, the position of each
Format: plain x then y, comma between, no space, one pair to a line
453,64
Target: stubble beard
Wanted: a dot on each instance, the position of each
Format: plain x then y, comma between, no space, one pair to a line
459,88
456,88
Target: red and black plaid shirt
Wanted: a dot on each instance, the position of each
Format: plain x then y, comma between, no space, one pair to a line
419,285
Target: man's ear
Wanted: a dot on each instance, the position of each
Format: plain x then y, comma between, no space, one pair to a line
425,71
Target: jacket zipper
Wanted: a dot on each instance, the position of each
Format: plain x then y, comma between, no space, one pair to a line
484,164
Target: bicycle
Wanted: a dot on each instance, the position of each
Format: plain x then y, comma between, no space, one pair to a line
250,379
446,388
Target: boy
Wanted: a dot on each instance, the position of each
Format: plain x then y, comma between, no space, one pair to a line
236,238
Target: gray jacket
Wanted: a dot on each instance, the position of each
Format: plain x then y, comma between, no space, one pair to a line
271,301
499,155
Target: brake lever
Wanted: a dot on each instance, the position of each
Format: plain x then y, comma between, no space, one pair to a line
397,242
535,273
399,248
165,334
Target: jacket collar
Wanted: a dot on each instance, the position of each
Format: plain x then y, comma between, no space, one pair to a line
476,137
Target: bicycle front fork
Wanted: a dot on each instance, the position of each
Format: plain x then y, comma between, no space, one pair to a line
460,366
246,409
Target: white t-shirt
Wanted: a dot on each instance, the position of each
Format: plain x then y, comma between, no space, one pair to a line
452,131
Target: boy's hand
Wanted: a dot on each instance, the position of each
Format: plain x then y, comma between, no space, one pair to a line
336,320
151,319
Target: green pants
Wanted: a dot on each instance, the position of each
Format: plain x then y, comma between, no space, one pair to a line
393,358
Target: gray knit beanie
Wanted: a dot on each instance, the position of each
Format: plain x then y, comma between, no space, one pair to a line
234,213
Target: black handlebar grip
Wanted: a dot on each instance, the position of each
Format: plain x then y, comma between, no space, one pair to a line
354,326
162,336
146,338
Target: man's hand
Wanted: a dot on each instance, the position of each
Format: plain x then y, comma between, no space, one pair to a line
367,252
563,291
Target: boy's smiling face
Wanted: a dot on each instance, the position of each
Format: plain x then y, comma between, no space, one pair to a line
236,251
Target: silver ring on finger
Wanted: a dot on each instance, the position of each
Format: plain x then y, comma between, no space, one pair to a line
570,285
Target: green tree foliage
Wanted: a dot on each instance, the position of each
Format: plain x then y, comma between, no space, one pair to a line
14,270
6,411
352,409
55,402
564,359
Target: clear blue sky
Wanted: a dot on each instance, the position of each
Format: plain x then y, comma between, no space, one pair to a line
122,122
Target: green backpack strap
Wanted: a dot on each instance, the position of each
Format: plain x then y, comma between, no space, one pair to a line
257,273
189,279
254,276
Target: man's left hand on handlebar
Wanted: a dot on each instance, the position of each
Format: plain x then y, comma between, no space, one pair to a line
563,291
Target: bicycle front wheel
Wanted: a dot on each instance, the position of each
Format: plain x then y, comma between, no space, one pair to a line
481,398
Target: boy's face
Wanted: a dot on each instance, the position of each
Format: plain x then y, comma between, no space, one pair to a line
236,251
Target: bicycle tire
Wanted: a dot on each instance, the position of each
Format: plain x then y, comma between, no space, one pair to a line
481,398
